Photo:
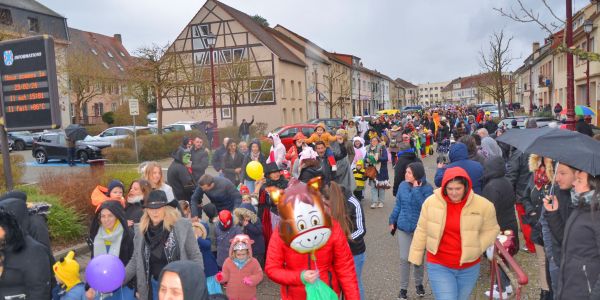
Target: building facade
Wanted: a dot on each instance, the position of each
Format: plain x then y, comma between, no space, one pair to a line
431,93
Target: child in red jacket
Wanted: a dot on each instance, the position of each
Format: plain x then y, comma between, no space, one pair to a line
241,271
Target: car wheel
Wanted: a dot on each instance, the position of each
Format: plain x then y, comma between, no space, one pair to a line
41,157
19,145
83,157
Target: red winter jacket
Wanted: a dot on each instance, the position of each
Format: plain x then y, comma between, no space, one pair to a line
334,261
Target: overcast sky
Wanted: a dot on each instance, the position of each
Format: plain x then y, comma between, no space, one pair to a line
417,40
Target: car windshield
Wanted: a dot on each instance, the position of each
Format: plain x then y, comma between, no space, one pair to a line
276,129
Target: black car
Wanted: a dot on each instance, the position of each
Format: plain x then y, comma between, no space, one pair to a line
22,139
53,145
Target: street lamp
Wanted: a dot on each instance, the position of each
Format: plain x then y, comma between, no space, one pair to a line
211,40
588,26
315,65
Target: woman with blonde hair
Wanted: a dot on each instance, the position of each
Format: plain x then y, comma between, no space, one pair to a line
162,236
152,171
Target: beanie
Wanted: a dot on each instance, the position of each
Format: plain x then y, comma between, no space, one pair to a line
418,170
113,184
67,271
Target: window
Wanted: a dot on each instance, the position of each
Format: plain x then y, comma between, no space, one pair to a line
300,93
293,115
105,65
293,89
5,16
290,132
113,106
109,54
120,67
284,116
108,132
94,51
121,53
283,89
34,25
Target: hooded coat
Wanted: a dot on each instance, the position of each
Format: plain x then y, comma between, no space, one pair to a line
179,177
499,191
199,162
254,229
230,163
35,225
343,176
517,172
27,265
405,158
409,201
116,209
459,157
490,147
192,279
210,261
333,261
294,152
360,152
224,196
235,276
533,197
277,152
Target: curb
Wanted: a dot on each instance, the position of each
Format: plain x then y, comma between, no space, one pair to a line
79,249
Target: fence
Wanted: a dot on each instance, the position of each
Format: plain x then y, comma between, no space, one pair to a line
502,259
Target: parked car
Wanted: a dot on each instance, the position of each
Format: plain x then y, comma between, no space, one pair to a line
53,145
286,133
113,134
152,118
22,139
10,145
332,123
165,129
411,108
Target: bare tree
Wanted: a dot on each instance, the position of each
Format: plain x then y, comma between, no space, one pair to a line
234,80
332,77
524,14
494,62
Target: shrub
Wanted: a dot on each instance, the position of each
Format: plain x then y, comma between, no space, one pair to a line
65,224
119,155
545,114
17,168
108,117
156,147
125,174
231,132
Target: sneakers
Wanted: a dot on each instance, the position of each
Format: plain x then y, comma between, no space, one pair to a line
420,290
380,205
334,168
403,295
496,295
374,205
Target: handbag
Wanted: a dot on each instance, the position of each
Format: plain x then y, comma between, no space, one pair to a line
371,172
393,143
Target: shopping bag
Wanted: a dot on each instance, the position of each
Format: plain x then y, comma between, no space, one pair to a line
319,291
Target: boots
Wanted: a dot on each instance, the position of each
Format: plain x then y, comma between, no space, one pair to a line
546,295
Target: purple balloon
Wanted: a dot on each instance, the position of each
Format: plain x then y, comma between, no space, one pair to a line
105,273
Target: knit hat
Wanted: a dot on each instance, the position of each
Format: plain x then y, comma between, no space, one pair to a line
225,218
210,210
114,184
67,270
418,170
360,162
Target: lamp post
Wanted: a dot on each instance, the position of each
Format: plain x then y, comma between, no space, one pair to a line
211,39
315,65
359,100
588,25
570,68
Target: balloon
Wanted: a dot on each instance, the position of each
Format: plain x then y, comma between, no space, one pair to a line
105,273
254,170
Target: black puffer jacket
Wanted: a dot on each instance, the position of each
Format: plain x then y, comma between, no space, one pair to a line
498,190
518,172
358,228
179,177
580,263
199,162
405,157
35,225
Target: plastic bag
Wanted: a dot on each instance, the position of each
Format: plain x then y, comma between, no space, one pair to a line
319,291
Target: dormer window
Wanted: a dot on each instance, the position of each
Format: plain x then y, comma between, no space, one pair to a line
105,65
121,53
94,51
109,54
120,67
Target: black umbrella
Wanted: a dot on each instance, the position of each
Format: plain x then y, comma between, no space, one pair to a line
76,132
565,146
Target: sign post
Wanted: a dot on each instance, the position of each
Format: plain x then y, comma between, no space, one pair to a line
28,89
134,110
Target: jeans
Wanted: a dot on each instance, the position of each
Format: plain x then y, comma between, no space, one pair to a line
124,293
377,195
452,284
245,137
404,240
154,289
553,268
251,184
359,261
71,156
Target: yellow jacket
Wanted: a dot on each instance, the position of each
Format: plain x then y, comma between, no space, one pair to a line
478,227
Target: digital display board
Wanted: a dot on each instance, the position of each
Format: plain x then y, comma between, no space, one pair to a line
28,84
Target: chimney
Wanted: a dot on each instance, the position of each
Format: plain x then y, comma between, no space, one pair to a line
535,47
117,37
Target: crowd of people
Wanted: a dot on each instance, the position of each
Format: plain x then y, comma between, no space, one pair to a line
175,243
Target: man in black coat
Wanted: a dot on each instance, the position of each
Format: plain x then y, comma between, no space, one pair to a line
582,127
26,269
244,130
219,190
406,156
199,159
217,159
179,177
490,125
35,225
500,192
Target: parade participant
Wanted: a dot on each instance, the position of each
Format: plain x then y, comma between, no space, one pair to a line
219,190
344,208
377,157
406,156
217,158
202,234
244,130
227,228
411,194
25,271
395,136
580,263
292,260
359,178
182,280
152,172
35,225
199,158
138,192
253,155
179,175
161,238
363,127
455,227
321,135
459,157
322,157
351,129
241,271
66,272
277,151
359,150
232,163
252,227
343,176
294,152
267,210
109,234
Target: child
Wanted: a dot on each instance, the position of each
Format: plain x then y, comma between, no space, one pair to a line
211,212
225,231
251,226
210,262
186,212
359,150
241,271
359,177
320,135
66,272
247,197
428,142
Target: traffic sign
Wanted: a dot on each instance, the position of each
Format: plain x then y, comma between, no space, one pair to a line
134,107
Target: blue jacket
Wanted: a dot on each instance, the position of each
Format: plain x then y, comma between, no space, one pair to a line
459,157
409,200
210,261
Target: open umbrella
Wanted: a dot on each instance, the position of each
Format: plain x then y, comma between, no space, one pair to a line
76,132
567,147
580,110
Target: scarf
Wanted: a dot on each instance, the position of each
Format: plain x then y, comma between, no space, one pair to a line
280,184
155,237
539,178
253,156
240,263
135,199
110,238
584,198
